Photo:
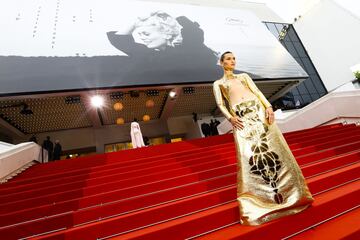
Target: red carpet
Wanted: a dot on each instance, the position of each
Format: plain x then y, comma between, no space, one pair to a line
184,190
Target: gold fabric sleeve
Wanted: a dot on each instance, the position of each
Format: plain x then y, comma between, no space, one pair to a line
220,100
256,91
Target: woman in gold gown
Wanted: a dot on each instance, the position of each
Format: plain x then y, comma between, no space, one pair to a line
269,181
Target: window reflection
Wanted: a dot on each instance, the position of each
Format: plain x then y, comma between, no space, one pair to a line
311,88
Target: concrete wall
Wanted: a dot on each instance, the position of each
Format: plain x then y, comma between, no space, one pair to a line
98,137
179,125
331,37
113,133
332,108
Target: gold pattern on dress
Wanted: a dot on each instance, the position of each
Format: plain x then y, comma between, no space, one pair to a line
264,162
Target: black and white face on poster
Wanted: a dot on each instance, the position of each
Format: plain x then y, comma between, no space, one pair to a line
52,45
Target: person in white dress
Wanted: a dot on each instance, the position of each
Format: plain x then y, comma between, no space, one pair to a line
136,135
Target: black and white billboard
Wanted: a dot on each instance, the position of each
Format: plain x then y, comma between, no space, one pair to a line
54,45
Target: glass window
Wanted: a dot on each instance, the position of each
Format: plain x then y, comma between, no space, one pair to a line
308,66
176,140
287,38
295,91
279,26
300,49
273,29
158,140
315,96
298,101
292,35
307,99
317,83
310,89
322,93
282,31
302,88
309,85
291,49
288,97
300,62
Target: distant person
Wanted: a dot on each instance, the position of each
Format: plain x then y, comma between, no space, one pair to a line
195,116
146,140
136,135
217,123
49,146
33,139
57,150
213,127
206,130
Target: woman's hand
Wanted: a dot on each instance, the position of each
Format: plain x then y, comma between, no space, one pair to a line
237,123
269,115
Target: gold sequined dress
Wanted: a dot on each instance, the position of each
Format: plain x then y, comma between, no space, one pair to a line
269,181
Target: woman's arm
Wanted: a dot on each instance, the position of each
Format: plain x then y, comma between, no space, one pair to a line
220,101
235,120
126,44
269,114
256,91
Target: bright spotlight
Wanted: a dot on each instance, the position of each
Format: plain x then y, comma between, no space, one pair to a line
97,101
172,94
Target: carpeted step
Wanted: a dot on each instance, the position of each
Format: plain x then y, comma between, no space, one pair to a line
311,135
324,138
101,159
116,193
178,208
325,206
113,169
330,127
327,144
308,171
340,226
129,155
118,166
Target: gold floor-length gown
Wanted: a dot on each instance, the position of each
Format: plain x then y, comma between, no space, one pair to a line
269,181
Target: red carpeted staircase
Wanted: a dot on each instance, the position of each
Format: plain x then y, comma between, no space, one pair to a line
184,190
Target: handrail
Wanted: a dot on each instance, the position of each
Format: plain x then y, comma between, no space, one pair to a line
330,107
15,158
353,81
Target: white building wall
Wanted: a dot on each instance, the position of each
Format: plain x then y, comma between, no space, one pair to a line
99,137
180,125
331,37
261,10
288,9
